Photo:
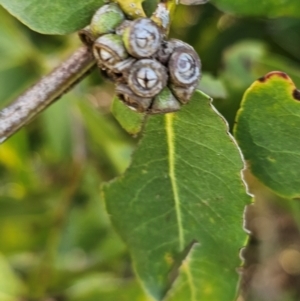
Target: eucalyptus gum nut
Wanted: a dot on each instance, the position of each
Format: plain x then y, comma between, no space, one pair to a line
86,36
183,94
147,78
165,102
106,19
168,47
184,66
121,70
175,43
122,27
142,38
133,101
109,50
123,67
164,52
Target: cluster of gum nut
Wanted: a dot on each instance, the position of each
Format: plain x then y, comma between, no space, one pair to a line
152,75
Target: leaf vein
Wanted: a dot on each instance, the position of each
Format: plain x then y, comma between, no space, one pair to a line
169,126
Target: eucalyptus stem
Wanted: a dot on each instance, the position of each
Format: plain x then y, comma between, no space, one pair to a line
45,92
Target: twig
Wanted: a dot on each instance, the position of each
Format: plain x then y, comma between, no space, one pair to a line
45,92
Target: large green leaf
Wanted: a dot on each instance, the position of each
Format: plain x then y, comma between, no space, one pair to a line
53,16
270,8
190,283
58,16
183,185
267,131
66,16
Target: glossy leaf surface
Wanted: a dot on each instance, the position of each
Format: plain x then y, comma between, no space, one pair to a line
184,185
53,16
66,16
267,131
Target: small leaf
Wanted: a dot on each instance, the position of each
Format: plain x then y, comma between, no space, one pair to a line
270,8
183,185
267,131
53,16
131,121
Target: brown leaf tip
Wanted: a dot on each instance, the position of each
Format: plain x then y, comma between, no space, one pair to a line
296,94
271,74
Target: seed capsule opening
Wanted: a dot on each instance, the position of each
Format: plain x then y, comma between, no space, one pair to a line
184,66
109,50
142,38
147,78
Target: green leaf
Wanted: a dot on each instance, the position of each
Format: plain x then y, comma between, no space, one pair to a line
183,185
267,132
53,16
130,121
190,282
270,8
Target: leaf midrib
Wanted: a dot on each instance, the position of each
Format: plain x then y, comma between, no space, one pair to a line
169,118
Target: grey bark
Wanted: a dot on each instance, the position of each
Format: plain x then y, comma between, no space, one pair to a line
45,92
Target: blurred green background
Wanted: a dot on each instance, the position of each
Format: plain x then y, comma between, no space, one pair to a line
56,242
